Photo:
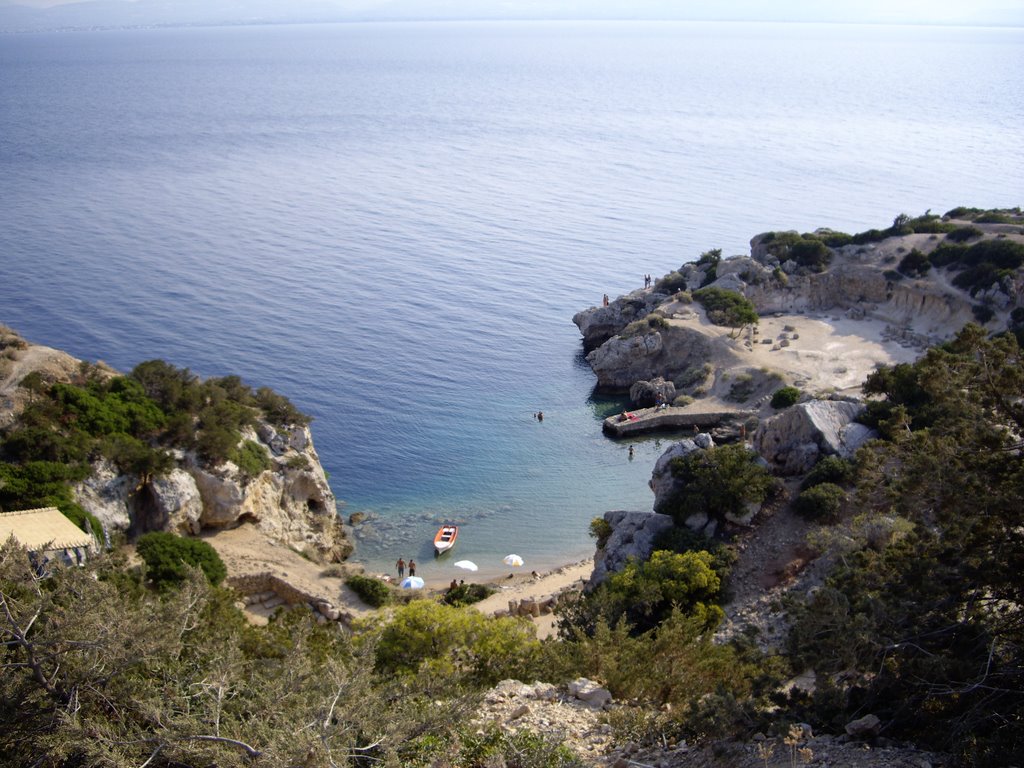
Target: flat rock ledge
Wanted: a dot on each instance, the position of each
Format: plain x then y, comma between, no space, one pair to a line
671,418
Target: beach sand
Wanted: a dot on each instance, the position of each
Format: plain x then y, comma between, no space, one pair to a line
246,552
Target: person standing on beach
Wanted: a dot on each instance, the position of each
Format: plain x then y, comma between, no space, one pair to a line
400,565
412,567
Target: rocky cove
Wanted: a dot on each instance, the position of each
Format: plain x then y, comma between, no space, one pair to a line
722,377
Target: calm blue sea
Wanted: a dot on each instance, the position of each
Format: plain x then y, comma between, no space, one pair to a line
393,224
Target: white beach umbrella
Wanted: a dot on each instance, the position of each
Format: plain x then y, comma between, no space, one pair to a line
468,565
512,560
411,582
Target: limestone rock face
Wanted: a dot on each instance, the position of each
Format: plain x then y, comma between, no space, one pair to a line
662,483
105,494
599,324
178,502
633,535
793,440
645,393
291,502
665,353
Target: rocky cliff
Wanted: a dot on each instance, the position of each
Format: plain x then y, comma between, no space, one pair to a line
290,501
829,315
661,331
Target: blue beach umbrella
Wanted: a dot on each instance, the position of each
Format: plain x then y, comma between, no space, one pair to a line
411,582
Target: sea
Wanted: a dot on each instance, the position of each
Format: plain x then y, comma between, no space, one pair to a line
394,223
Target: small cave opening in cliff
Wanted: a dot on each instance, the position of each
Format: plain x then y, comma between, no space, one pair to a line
315,506
246,517
146,514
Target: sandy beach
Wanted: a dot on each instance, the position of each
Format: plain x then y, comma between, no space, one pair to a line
248,552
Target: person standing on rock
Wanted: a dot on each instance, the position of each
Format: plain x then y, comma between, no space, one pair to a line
400,565
412,567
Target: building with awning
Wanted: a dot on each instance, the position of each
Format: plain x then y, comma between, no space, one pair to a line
47,534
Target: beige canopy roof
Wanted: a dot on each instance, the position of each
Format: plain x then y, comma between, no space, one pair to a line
42,529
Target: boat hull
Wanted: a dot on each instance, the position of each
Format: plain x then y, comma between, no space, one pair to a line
445,539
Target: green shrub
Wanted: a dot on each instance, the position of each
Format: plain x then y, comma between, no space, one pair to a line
643,594
79,516
601,531
947,253
135,457
709,260
726,307
298,461
785,397
278,409
443,638
680,539
836,239
820,502
982,313
830,469
992,217
671,283
37,484
914,264
251,458
168,556
717,482
930,225
813,254
656,321
467,594
371,591
963,212
962,234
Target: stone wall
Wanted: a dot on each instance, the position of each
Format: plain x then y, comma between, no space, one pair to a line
269,591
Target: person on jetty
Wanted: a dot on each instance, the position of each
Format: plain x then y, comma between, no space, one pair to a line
627,416
412,567
604,301
400,565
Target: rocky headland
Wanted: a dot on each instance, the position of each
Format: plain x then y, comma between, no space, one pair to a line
828,314
289,503
831,309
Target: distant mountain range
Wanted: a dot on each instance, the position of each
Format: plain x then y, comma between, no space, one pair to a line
34,15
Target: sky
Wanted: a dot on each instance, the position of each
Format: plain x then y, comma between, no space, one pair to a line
974,12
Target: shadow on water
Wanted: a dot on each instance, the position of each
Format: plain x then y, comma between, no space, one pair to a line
604,405
601,404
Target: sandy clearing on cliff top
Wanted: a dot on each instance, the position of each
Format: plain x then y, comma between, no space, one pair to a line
822,353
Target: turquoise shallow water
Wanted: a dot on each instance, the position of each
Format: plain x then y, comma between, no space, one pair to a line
393,224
